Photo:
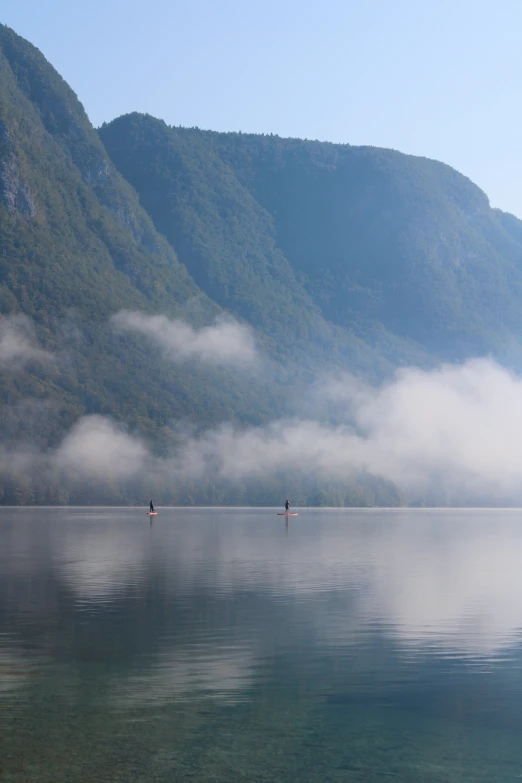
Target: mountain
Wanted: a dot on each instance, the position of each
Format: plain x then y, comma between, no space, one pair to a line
402,253
76,247
133,257
229,241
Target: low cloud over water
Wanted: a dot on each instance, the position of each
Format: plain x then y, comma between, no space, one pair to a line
454,431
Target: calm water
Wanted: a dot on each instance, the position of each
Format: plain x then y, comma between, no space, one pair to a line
222,645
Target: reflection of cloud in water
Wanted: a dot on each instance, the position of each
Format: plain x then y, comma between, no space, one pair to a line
99,562
450,579
439,579
463,594
215,670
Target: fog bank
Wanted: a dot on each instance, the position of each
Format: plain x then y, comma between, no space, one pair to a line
455,432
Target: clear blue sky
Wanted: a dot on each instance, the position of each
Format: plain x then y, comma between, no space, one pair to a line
440,78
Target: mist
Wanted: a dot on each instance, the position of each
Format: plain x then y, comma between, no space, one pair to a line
18,343
225,342
455,431
96,447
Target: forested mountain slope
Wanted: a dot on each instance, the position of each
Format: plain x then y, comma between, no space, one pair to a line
75,248
229,242
312,257
389,247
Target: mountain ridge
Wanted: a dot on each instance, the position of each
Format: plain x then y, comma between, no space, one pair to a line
426,233
65,254
331,258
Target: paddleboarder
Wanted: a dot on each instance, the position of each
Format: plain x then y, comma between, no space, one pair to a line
151,506
287,506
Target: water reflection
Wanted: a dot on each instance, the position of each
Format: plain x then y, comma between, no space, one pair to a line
390,619
100,561
423,578
218,672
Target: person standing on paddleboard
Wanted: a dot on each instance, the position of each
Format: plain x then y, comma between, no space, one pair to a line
151,506
287,506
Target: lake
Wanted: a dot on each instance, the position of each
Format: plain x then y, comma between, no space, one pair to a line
225,645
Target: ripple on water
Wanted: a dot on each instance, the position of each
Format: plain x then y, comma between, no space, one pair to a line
225,645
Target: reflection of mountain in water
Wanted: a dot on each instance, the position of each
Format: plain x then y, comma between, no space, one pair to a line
221,626
445,579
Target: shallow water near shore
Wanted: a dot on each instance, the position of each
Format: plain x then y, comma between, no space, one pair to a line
236,645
